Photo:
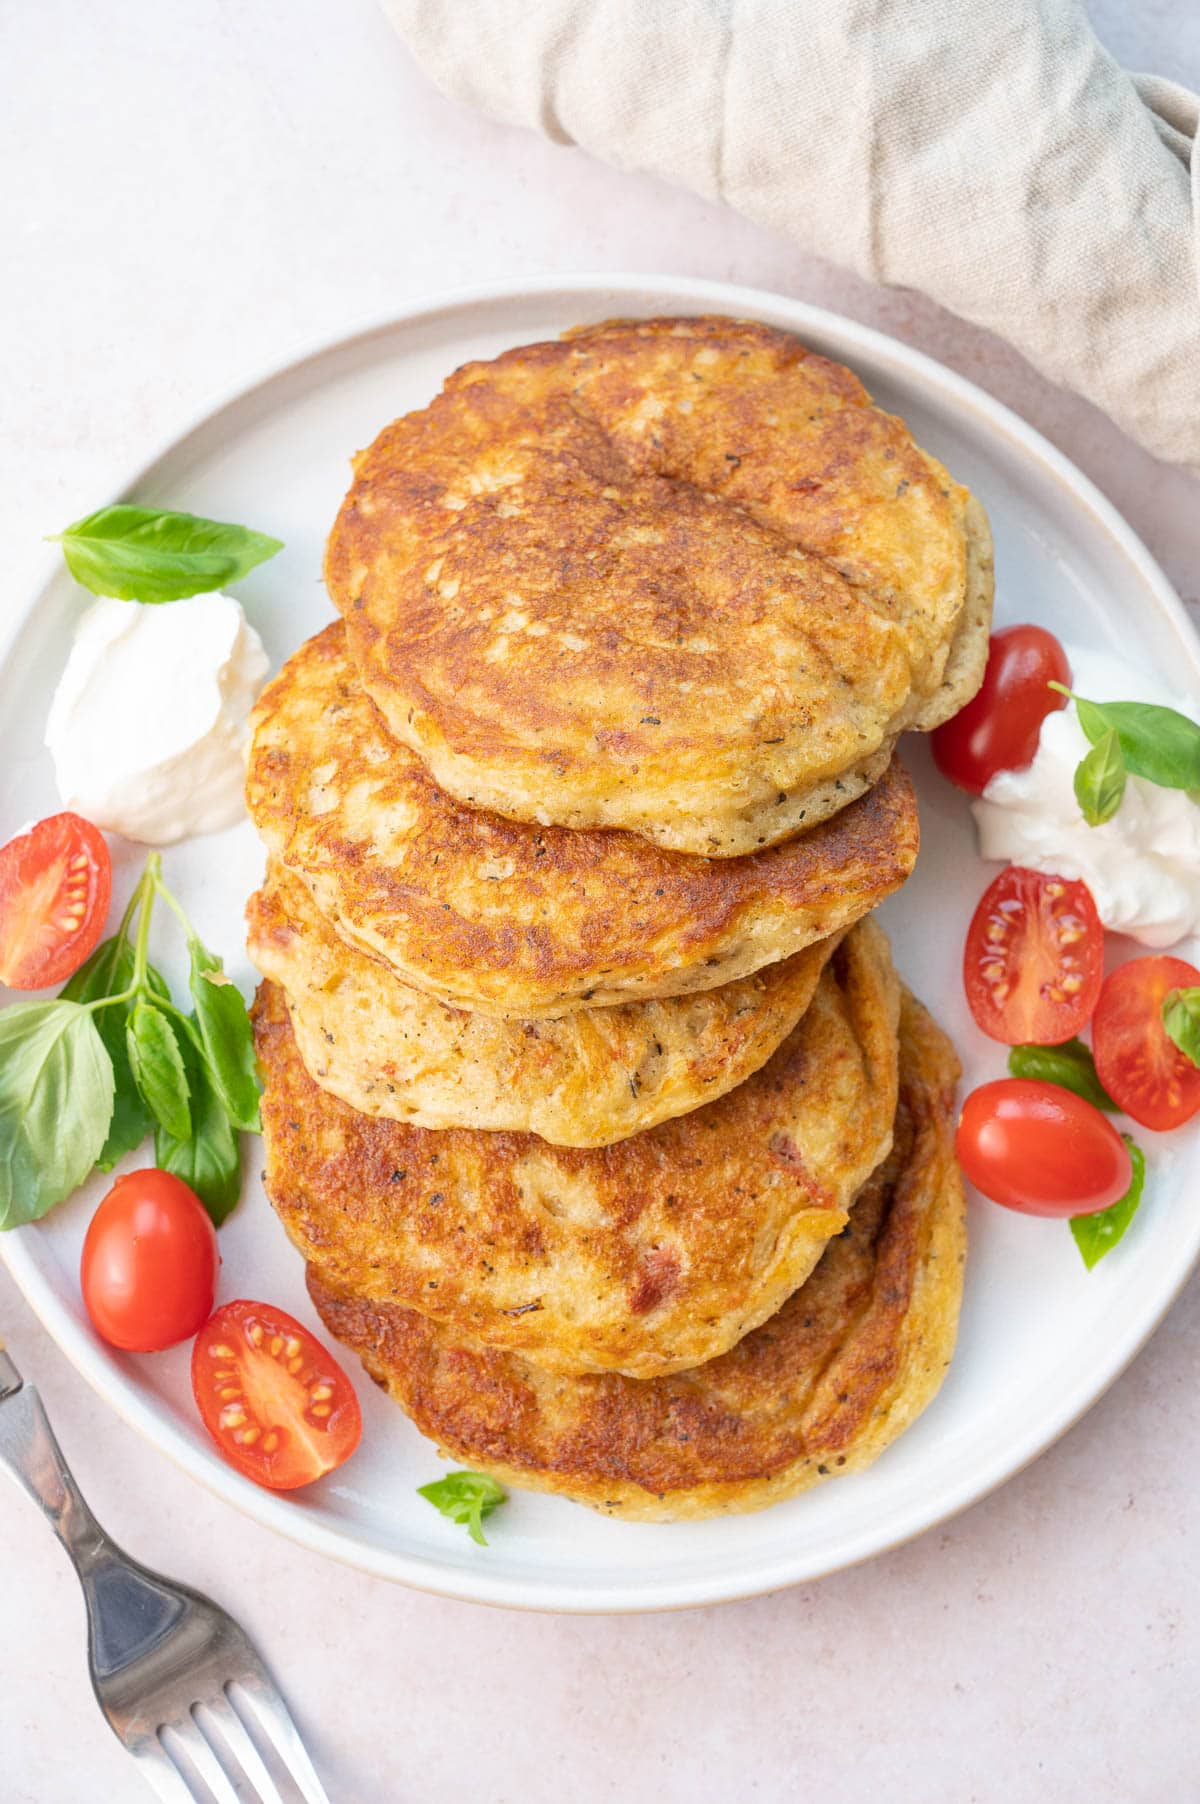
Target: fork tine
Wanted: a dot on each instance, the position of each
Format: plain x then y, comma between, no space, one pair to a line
161,1772
242,1748
191,1738
271,1711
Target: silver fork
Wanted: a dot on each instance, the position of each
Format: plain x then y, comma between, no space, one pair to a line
165,1662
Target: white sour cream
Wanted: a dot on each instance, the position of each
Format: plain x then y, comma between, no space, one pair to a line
147,728
1143,866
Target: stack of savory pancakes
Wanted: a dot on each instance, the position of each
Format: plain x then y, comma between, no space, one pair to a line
615,1147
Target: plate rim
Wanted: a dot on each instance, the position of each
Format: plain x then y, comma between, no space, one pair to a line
984,415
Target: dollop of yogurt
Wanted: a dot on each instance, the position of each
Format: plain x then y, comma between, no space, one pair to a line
1142,866
148,724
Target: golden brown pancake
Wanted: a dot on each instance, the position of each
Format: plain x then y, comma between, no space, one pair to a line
820,1389
584,1079
526,922
644,1257
675,576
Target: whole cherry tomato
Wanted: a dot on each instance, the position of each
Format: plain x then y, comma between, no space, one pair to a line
998,729
1040,1149
149,1265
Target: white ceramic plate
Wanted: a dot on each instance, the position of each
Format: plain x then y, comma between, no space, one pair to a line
1040,1339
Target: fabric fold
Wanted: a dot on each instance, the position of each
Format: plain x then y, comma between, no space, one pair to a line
995,157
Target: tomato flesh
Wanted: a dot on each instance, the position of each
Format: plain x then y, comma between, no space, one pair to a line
1040,1149
276,1402
999,727
55,887
1137,1062
1034,958
149,1265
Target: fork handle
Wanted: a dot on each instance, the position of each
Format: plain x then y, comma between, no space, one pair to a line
33,1456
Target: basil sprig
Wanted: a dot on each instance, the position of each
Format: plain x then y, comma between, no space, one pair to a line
1181,1019
1070,1065
1095,1235
1156,743
85,1078
148,554
465,1497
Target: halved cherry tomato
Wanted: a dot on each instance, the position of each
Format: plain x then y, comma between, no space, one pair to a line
278,1405
1139,1065
149,1265
55,885
998,729
1041,1149
1034,958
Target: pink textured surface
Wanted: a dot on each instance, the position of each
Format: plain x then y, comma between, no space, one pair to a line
202,194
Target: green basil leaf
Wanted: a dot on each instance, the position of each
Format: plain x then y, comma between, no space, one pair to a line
131,1119
1159,744
145,554
210,1158
1070,1066
1096,1235
1181,1018
465,1497
157,1066
157,984
227,1037
1100,780
106,973
56,1097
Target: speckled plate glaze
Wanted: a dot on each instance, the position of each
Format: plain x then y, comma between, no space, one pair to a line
1040,1338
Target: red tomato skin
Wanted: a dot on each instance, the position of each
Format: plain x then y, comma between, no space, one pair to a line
36,951
148,1270
1041,993
1040,1149
998,728
1138,1063
225,1344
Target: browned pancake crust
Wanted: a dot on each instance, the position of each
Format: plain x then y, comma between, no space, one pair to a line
646,1256
583,1079
523,921
820,1389
580,582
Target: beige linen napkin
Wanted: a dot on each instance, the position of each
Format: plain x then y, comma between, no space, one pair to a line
988,152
